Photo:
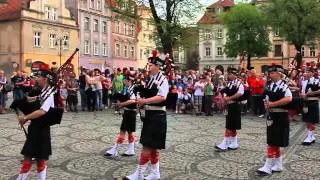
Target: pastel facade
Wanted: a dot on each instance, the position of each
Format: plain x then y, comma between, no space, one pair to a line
41,30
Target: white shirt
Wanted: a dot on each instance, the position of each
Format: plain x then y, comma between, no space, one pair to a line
162,84
199,88
48,103
283,86
238,84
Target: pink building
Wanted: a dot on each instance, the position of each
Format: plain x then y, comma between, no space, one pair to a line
124,33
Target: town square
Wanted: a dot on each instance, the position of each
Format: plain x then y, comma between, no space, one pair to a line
152,89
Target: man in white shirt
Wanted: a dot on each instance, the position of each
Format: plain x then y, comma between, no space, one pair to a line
198,95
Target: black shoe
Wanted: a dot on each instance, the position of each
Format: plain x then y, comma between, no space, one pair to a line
308,143
107,154
125,178
262,173
219,149
127,155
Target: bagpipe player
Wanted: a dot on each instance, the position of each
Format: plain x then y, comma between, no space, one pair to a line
154,130
277,98
38,140
128,125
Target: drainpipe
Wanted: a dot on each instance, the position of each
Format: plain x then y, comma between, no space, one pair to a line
21,44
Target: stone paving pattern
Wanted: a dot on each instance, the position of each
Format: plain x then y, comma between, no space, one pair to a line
81,139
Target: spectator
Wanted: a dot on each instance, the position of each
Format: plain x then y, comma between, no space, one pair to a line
82,87
3,82
208,95
18,82
198,95
91,91
72,98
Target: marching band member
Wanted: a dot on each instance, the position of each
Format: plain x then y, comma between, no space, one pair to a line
128,124
234,91
38,142
153,133
278,95
311,92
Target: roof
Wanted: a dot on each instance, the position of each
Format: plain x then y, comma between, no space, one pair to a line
11,10
210,16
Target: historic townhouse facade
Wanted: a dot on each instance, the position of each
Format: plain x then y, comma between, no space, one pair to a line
32,31
212,37
93,18
124,33
146,36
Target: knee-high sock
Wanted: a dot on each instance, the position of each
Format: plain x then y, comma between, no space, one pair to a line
41,165
273,151
230,133
121,136
144,156
131,137
26,166
155,156
311,126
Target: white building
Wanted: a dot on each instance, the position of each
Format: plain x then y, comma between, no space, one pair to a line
212,37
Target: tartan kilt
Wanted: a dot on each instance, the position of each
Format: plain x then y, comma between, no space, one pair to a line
233,119
154,129
278,129
312,116
129,121
38,142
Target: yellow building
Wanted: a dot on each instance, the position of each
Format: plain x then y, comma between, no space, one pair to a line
146,40
40,30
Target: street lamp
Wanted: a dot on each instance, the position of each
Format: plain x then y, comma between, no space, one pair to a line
59,42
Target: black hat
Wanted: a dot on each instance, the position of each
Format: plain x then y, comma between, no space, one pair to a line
154,59
232,70
275,68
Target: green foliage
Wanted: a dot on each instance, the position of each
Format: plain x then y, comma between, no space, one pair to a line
247,31
298,20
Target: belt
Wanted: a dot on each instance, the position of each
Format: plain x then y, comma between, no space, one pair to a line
155,108
128,109
231,102
312,98
277,110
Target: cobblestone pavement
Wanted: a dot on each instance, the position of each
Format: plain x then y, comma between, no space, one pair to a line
80,141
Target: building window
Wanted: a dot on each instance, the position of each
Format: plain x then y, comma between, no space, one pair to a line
125,51
219,51
117,49
98,4
125,29
118,26
132,52
95,48
277,32
92,4
208,52
104,49
312,51
65,42
86,23
141,53
132,30
51,13
219,33
52,40
86,47
207,35
37,40
104,26
277,51
302,51
96,25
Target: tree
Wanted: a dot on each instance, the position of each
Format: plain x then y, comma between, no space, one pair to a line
298,21
169,17
247,32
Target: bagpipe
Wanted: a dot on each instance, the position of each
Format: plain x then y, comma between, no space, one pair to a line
54,115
